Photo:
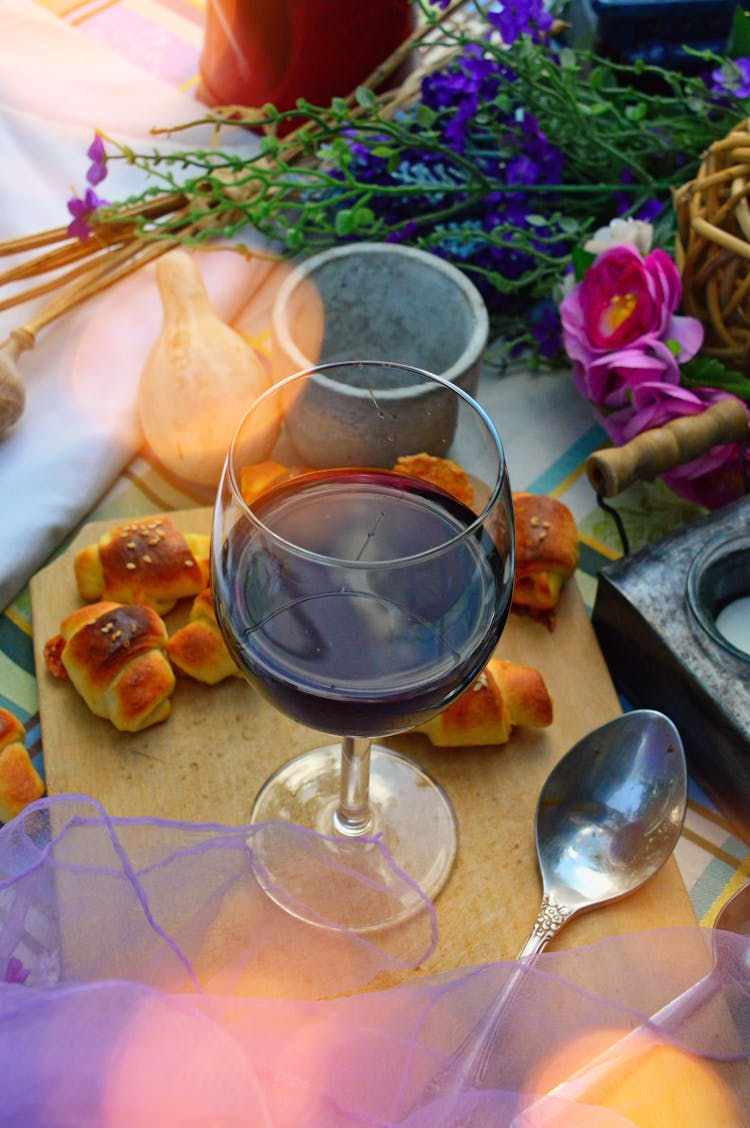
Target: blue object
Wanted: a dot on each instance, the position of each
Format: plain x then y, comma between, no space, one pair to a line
656,32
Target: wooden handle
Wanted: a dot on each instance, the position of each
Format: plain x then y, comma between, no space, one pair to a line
655,452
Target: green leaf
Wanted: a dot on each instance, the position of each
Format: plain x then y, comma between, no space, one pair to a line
636,112
364,217
597,78
673,346
709,372
425,116
345,222
738,41
269,145
582,260
567,224
595,109
505,103
365,97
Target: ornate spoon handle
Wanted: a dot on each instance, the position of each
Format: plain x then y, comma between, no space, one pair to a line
468,1063
551,917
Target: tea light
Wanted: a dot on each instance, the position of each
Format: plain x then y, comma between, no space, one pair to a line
733,623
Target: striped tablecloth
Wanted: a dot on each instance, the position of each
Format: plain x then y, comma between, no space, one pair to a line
546,452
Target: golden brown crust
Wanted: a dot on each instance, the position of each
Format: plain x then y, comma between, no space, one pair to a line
198,649
147,561
53,649
258,477
546,550
504,695
441,472
20,783
114,655
11,729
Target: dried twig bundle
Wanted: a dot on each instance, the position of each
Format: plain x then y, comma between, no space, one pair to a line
714,247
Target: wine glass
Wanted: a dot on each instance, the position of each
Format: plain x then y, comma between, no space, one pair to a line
361,598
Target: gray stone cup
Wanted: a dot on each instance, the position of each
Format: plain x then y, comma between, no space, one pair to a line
377,302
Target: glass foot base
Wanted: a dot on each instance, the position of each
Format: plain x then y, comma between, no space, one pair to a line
356,886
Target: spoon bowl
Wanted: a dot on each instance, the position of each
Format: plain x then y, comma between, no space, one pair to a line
608,817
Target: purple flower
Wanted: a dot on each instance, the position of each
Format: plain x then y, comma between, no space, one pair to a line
515,18
545,328
98,158
15,972
648,211
732,78
82,210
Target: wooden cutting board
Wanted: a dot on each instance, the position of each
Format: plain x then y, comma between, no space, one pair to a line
207,762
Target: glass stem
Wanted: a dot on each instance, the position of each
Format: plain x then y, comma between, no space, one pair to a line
353,815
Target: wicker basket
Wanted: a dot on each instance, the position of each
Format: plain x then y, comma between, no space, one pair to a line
713,251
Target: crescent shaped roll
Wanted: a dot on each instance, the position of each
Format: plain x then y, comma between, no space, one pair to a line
147,561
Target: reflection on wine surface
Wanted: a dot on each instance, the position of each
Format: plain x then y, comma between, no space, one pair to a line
360,601
365,642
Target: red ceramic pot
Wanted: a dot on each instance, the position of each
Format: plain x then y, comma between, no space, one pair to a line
258,51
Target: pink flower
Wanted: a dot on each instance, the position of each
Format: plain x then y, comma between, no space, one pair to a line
713,479
623,300
610,378
626,344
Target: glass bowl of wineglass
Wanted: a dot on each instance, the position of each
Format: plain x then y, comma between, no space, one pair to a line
362,591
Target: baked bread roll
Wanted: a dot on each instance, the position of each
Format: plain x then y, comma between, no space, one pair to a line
441,472
115,657
504,695
147,561
546,551
258,477
198,649
20,782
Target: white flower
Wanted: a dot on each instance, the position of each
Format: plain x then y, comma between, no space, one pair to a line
634,231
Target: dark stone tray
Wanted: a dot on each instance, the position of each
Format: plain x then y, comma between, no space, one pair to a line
660,657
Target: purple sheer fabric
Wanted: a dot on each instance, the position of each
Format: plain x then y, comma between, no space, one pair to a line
150,979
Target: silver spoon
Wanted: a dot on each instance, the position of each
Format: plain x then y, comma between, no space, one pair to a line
608,818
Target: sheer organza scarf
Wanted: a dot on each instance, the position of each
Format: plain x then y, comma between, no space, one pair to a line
149,978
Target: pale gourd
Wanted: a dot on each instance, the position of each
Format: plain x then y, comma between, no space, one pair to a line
199,377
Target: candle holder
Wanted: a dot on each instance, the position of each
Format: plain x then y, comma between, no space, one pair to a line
655,618
718,577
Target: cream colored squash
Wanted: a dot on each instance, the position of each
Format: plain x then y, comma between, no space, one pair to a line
199,377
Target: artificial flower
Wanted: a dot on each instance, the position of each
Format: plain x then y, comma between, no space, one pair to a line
732,78
97,155
514,18
608,380
637,232
652,403
714,478
627,344
82,210
15,972
624,298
